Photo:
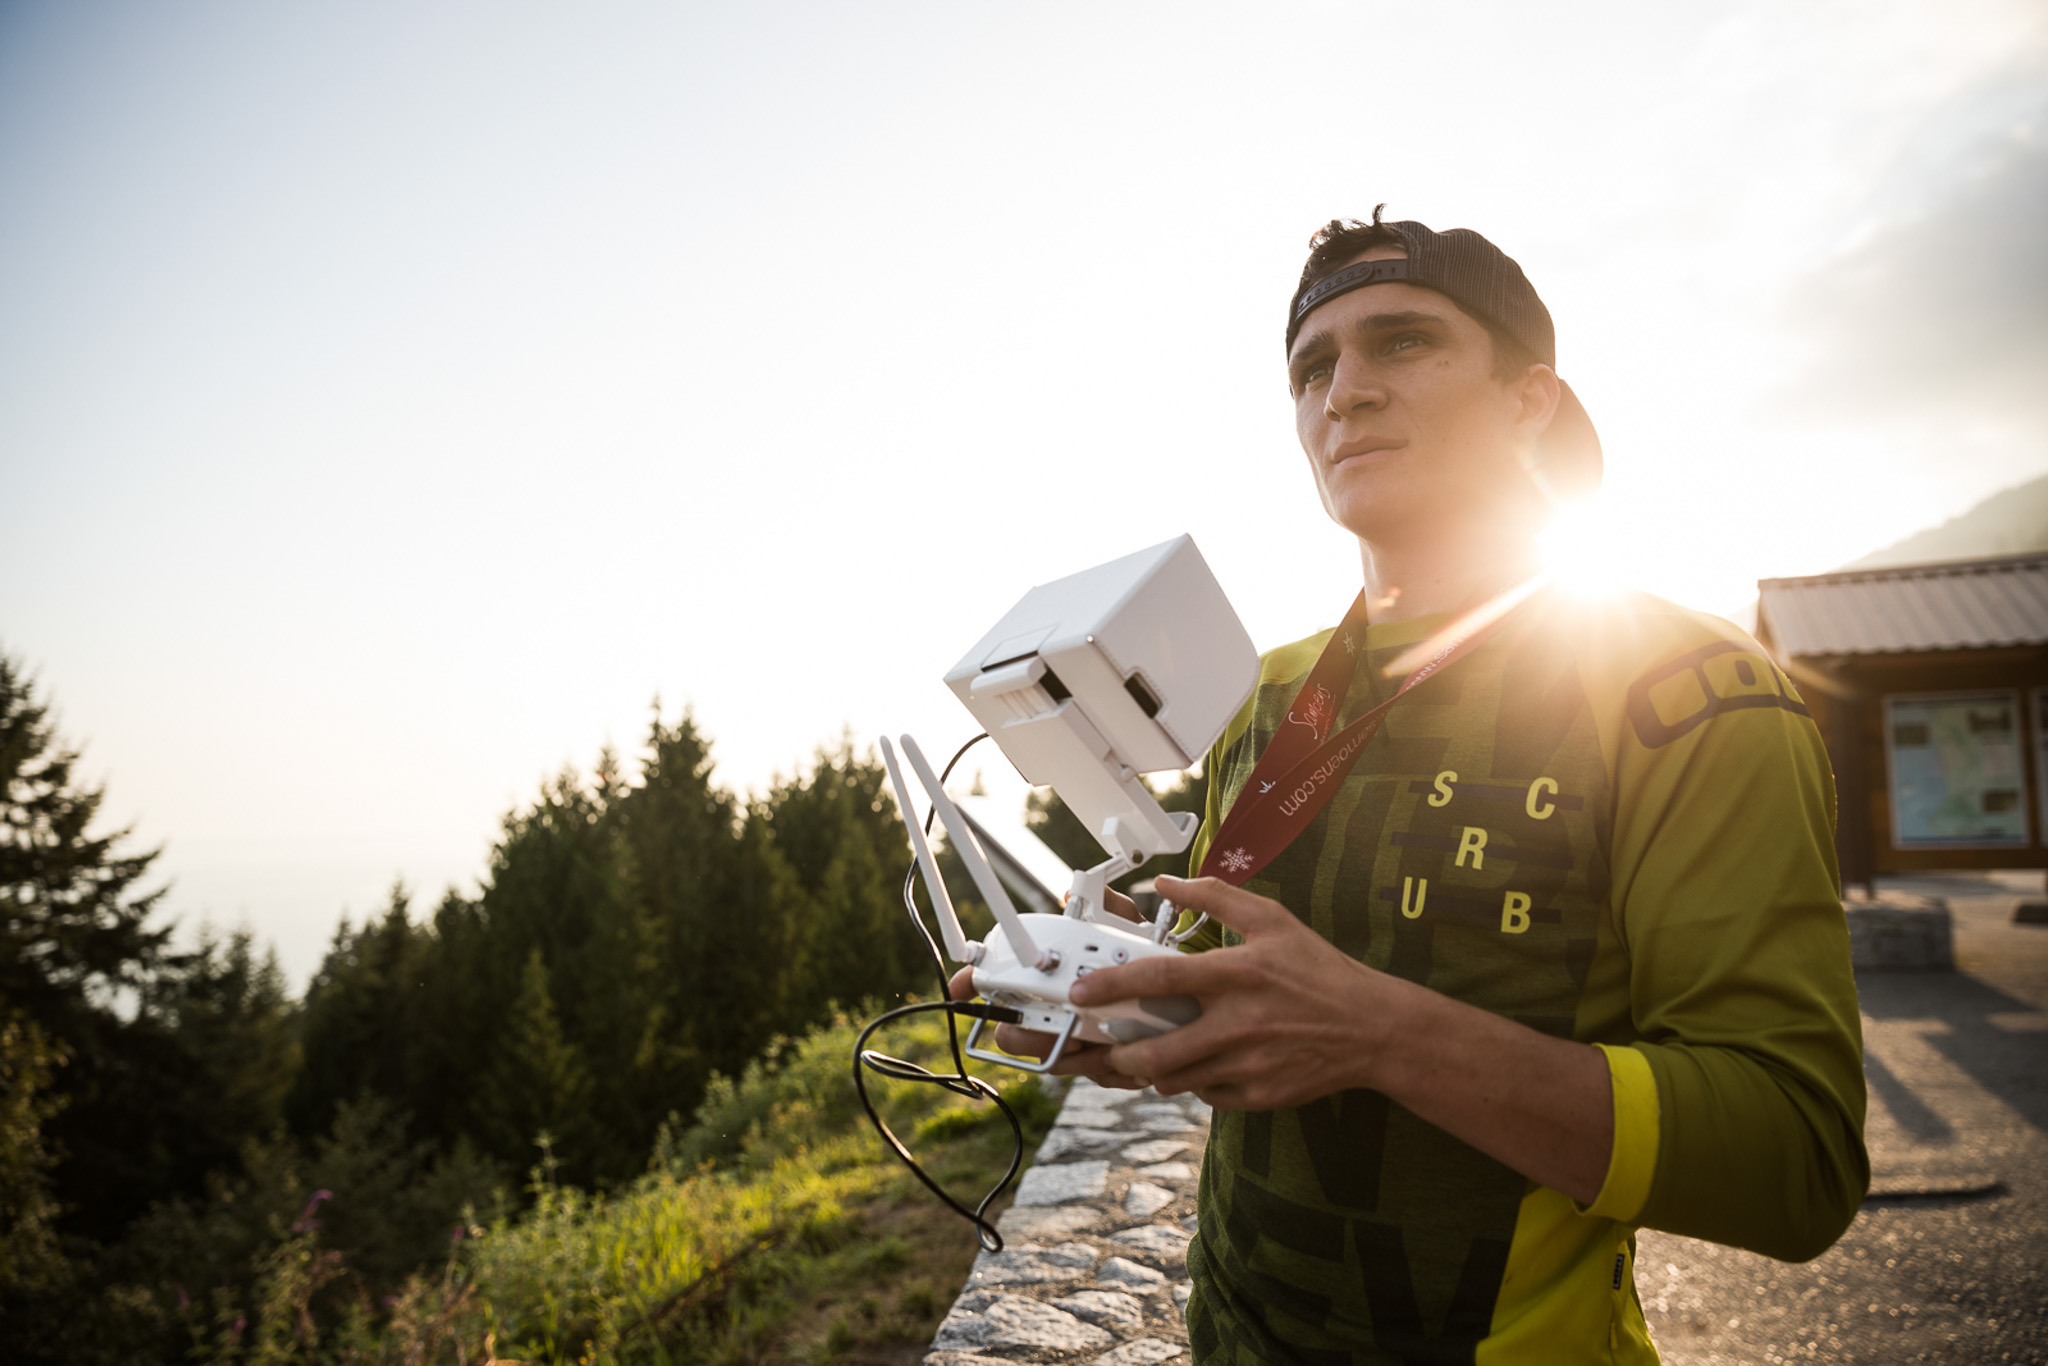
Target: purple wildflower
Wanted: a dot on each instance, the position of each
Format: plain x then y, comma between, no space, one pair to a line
306,1223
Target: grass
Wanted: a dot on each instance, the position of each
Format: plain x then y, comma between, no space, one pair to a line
775,1228
880,1301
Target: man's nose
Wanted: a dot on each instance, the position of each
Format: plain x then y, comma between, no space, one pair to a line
1354,386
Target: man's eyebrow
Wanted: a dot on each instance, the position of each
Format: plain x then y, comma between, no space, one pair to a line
1387,322
1323,339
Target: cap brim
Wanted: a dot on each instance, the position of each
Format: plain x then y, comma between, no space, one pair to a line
1571,448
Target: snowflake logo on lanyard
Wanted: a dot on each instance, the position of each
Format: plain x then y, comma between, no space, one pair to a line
1236,860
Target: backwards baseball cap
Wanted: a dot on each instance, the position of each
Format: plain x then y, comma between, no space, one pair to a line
1484,281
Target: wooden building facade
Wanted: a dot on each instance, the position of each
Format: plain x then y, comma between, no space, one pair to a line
1930,686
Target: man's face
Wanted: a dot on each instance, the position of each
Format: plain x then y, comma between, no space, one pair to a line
1405,427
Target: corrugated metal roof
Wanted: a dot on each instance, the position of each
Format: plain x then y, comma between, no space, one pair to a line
1963,605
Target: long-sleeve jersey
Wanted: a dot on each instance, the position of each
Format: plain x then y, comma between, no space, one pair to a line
1611,822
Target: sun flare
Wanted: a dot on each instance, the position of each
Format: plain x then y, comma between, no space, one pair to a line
1582,553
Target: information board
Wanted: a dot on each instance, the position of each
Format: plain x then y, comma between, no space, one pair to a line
2041,760
1957,777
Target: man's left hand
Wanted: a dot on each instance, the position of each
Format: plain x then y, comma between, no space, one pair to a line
1286,1017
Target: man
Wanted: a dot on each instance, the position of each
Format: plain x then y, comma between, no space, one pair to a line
1551,952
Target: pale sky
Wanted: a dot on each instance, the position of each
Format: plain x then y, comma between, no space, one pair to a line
396,398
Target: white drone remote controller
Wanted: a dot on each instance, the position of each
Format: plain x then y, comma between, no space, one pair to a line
1131,667
1029,963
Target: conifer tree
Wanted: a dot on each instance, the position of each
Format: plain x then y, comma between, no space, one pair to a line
539,1083
720,918
839,831
74,925
76,949
631,938
361,1031
555,890
230,1014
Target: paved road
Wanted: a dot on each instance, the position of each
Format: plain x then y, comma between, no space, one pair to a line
1948,1260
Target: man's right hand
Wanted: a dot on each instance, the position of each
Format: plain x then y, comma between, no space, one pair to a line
1079,1060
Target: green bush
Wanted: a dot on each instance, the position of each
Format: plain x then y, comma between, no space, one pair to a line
709,1257
366,1209
32,1267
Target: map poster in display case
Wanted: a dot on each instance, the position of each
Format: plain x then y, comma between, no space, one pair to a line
1957,774
2041,759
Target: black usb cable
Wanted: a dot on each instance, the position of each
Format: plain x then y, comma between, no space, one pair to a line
958,1081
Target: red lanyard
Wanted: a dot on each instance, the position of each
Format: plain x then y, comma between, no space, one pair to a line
1303,764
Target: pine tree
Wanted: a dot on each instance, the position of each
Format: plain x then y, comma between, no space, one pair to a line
631,939
74,928
361,1027
841,835
77,949
539,1082
557,890
720,918
227,1009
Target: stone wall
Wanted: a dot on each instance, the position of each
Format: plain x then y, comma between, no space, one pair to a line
1094,1265
1899,931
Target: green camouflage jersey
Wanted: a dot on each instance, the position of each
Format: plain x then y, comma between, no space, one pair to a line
1611,822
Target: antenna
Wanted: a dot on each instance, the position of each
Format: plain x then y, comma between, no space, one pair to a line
957,947
1021,942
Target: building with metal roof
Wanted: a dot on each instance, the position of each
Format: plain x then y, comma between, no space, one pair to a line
1965,605
1930,685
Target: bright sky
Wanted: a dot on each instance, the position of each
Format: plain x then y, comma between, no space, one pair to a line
396,398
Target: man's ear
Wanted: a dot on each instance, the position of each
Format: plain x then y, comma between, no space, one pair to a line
1537,393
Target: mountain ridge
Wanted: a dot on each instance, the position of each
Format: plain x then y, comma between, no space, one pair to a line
2012,521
